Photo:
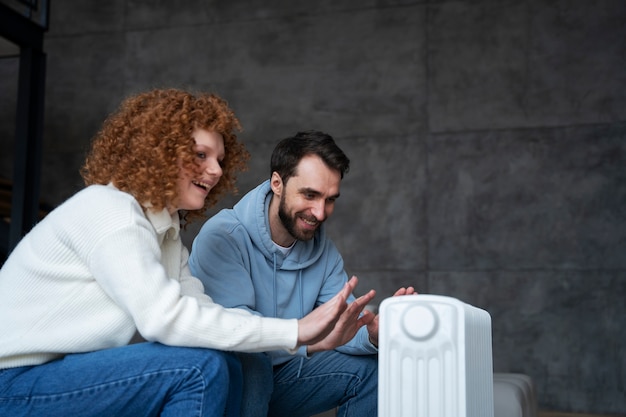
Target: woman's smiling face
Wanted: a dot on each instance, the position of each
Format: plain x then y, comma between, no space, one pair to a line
194,185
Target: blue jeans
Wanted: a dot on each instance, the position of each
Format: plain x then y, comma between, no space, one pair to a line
145,379
304,387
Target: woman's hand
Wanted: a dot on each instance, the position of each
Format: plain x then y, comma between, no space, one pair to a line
348,324
316,325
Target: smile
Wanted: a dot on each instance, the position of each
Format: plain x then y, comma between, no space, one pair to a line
309,222
203,185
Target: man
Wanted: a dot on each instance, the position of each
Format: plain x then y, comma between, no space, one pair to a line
270,255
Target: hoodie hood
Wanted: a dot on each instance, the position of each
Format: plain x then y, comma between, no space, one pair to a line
252,211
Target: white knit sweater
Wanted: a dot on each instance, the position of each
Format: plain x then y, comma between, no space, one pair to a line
97,270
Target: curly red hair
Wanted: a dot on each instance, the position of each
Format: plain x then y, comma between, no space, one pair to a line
139,146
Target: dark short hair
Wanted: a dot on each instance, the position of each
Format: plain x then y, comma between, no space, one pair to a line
289,151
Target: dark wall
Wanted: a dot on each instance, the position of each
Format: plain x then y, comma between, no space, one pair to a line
487,138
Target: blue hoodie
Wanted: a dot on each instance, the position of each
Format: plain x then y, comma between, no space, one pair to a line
239,265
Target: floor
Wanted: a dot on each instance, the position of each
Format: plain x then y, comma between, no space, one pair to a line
331,413
559,414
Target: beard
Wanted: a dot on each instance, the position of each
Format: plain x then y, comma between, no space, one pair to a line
289,222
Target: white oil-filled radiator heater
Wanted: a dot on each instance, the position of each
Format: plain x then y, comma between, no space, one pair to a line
435,358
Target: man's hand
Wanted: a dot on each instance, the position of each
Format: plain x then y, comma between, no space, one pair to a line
372,327
347,325
316,325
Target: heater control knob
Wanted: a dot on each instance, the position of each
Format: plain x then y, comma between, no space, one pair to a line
420,322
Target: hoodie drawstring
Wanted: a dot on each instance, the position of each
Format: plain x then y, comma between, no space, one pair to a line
274,289
301,294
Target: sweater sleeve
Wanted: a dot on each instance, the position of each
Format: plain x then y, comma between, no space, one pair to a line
126,263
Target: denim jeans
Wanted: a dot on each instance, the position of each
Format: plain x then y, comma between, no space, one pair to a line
145,379
304,387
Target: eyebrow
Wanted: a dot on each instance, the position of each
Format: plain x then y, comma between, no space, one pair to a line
307,190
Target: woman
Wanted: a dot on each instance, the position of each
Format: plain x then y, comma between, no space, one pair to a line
107,267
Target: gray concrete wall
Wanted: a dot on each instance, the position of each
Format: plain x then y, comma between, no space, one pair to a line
488,141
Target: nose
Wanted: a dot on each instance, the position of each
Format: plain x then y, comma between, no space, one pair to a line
319,210
213,168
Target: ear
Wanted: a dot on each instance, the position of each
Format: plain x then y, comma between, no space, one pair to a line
276,182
